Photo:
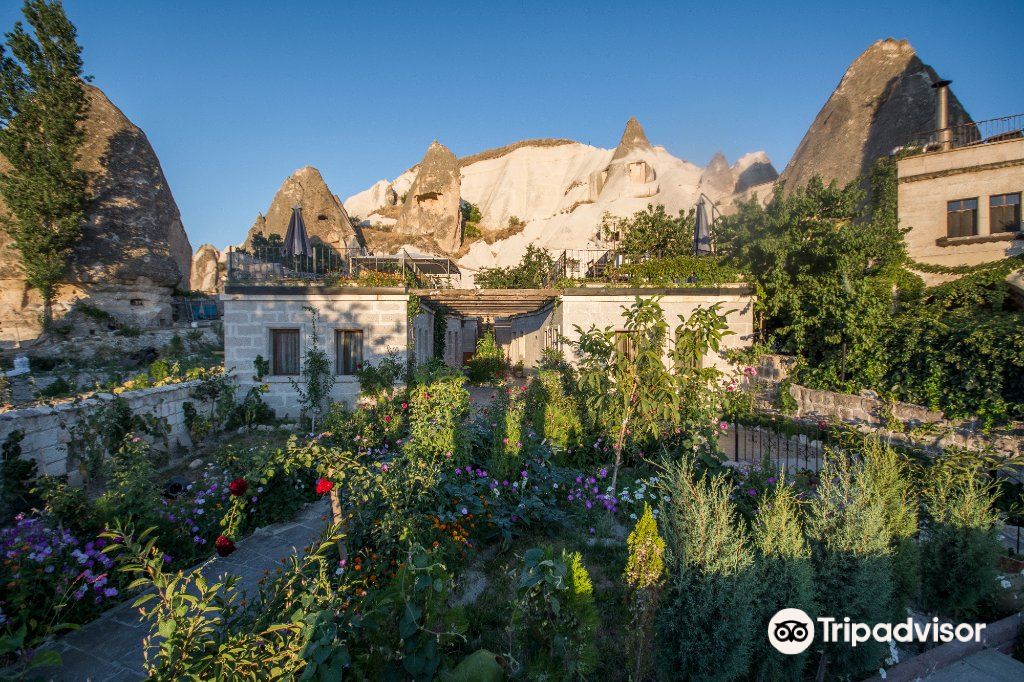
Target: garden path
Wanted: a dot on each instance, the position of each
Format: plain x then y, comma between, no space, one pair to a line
110,647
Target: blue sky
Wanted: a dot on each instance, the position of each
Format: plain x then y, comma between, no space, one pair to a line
234,96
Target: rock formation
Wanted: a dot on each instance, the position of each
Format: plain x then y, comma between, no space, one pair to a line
207,270
717,178
752,170
882,100
134,251
432,206
561,190
326,219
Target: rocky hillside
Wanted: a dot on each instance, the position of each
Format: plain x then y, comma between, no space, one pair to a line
881,101
554,193
134,250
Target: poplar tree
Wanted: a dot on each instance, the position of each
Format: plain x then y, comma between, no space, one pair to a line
42,105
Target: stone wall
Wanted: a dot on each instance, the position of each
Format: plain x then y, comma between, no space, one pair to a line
47,428
900,421
604,308
251,313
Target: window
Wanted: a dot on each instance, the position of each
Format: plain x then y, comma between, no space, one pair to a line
1004,213
625,343
962,218
285,351
348,349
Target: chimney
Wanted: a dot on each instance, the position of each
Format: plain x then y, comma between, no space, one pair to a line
942,114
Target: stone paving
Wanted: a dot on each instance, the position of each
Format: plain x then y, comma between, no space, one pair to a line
110,647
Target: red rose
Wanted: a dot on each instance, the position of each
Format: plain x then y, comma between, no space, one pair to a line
323,486
387,418
224,545
238,487
405,406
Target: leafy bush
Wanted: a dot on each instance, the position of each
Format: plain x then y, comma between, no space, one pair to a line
508,439
556,618
16,475
683,270
961,542
488,363
704,626
439,402
533,272
377,380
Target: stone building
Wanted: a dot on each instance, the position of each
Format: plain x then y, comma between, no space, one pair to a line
961,198
360,325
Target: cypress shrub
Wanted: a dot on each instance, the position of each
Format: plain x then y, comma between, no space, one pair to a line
704,627
507,440
961,540
785,579
890,483
852,554
645,568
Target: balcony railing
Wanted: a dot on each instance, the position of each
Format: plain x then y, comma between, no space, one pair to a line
272,263
970,134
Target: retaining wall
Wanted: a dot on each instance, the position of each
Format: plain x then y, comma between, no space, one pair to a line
47,428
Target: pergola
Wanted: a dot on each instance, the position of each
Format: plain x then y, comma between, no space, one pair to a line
488,304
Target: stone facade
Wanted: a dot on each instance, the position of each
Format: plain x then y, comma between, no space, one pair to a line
47,428
927,182
251,313
604,307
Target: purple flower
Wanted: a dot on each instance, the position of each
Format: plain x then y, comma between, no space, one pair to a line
752,492
523,474
110,592
464,511
458,470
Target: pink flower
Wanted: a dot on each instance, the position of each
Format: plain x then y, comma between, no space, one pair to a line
723,426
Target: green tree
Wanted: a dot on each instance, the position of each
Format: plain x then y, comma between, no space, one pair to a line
42,105
632,394
652,232
318,379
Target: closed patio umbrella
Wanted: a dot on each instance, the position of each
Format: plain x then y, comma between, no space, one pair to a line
702,229
296,241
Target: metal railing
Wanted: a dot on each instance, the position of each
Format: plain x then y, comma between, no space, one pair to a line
594,264
970,134
755,444
272,263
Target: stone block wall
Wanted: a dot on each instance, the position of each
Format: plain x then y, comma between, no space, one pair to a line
47,428
381,314
604,308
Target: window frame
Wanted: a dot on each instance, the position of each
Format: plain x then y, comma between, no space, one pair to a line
959,215
273,332
1015,207
339,335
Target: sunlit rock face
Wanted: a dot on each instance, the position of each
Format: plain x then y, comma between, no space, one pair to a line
325,217
882,100
431,210
134,251
562,190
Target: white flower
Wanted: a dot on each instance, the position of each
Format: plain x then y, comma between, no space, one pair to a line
881,673
555,486
1005,584
633,516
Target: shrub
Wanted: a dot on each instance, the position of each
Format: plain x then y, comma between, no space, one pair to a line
317,374
15,476
704,626
59,388
644,573
507,440
785,579
377,380
438,404
556,619
554,414
891,485
488,363
852,552
961,542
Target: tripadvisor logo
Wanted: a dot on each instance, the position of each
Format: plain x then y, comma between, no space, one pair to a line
791,631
